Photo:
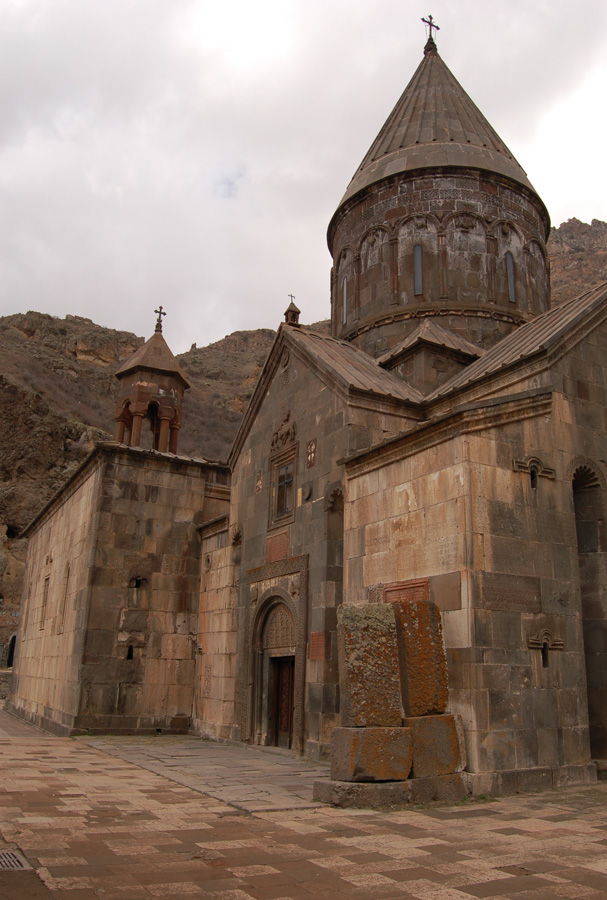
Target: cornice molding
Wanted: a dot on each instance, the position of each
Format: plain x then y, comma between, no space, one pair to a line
502,411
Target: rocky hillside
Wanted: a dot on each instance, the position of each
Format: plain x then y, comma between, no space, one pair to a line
57,395
578,257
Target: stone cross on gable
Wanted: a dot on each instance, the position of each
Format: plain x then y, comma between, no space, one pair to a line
430,23
160,313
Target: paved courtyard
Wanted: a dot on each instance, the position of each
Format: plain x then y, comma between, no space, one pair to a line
177,817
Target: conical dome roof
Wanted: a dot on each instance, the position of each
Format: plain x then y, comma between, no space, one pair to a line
154,356
435,124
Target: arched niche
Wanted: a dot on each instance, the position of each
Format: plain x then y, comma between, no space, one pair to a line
467,259
418,232
375,270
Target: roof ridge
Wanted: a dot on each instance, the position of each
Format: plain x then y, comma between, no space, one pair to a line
520,344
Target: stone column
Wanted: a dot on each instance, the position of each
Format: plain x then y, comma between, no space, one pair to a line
173,439
136,430
163,436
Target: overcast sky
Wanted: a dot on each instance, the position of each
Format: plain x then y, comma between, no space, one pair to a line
191,152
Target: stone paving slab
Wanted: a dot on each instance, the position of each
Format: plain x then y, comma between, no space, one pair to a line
97,826
247,778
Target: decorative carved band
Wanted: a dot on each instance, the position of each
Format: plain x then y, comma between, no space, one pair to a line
277,569
477,312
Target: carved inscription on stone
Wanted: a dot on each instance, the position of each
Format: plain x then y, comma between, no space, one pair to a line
317,645
519,593
276,547
415,589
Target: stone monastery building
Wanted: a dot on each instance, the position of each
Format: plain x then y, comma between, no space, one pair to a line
447,443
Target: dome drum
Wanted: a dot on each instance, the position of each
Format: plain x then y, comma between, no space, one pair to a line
465,245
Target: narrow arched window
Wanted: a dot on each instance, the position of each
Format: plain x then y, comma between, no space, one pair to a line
417,269
344,301
510,274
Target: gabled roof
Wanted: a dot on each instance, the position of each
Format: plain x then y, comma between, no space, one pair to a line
338,361
430,332
435,124
153,356
541,334
353,367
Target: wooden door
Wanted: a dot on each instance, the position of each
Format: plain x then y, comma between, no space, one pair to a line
284,672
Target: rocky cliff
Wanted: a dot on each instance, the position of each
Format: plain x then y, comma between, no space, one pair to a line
578,258
57,395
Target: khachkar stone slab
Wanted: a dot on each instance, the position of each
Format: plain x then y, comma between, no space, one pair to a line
391,794
369,679
371,754
438,745
423,663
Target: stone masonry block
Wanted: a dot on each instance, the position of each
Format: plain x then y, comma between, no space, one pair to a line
423,663
371,754
369,678
438,745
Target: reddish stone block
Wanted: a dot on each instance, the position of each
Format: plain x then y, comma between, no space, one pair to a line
371,754
438,745
369,678
423,663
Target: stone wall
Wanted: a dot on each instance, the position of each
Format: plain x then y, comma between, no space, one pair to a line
484,523
216,650
55,604
295,561
115,649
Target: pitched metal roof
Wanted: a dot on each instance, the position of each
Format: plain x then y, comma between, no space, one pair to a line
435,124
431,333
353,367
154,356
539,334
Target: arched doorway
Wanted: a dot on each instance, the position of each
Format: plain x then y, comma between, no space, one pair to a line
592,558
275,681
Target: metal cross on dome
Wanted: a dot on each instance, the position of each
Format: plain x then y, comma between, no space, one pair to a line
430,23
160,313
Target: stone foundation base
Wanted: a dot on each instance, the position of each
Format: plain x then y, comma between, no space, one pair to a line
540,779
390,794
72,726
601,769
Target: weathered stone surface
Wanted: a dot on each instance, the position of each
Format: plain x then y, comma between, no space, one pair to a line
371,754
368,666
438,745
423,664
392,794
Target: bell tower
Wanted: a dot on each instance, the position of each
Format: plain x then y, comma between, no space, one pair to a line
439,222
152,387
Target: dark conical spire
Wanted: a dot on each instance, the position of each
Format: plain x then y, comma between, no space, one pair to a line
435,124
